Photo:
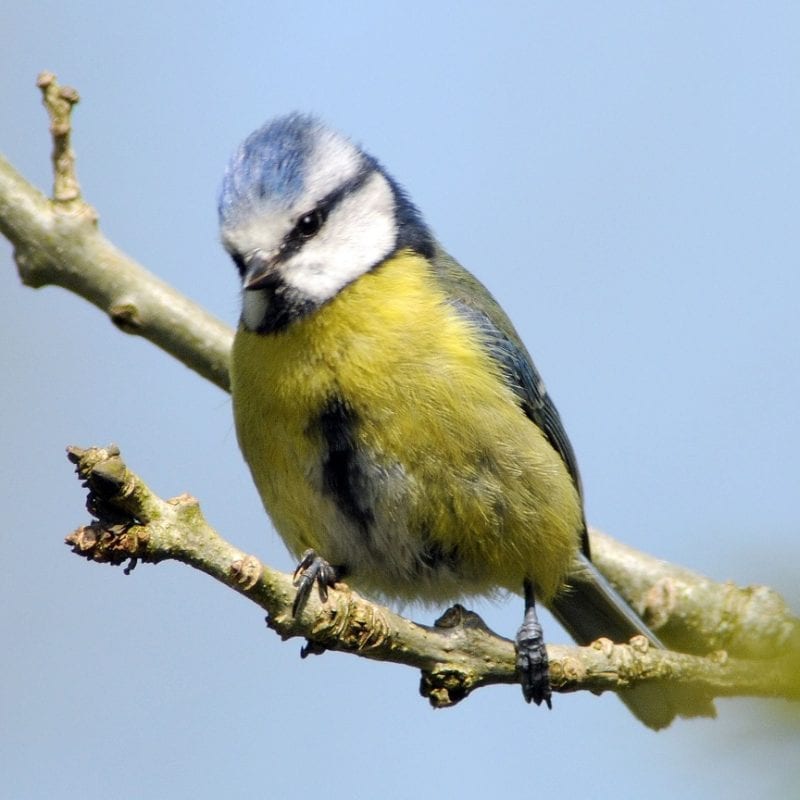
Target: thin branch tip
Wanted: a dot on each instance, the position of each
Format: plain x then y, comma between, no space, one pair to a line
59,102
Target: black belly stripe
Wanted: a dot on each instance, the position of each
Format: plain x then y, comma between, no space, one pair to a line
342,475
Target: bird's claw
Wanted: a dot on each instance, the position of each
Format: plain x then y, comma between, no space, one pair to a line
532,664
312,569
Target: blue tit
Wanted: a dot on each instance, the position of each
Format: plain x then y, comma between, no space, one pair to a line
394,424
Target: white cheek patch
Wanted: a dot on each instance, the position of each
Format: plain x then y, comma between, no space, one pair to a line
359,233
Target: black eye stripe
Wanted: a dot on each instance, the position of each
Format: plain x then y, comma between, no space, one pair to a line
238,259
310,223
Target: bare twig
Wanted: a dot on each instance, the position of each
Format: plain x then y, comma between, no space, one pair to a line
59,101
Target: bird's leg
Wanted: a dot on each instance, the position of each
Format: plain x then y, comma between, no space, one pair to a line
531,653
313,569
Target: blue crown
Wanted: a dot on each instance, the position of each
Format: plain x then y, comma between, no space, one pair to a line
270,163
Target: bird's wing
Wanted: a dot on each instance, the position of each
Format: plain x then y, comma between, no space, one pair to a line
472,300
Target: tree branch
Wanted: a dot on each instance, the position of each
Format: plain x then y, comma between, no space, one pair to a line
57,242
456,656
692,613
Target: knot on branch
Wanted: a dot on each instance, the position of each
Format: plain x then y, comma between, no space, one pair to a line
118,532
109,543
449,681
344,622
445,685
567,673
110,485
127,316
246,572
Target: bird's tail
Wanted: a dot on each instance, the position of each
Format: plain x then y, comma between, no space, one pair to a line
589,609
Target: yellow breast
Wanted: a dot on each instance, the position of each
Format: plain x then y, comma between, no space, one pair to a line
457,491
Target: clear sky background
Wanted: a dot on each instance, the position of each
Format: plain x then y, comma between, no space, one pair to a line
624,177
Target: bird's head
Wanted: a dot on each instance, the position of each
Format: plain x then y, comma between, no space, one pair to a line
303,212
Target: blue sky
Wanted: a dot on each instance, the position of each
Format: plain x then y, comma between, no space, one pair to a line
623,177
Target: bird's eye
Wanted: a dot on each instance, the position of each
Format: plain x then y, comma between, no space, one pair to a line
309,224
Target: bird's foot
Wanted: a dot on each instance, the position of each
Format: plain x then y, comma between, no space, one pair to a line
312,569
532,664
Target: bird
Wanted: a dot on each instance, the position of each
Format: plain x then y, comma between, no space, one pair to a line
394,424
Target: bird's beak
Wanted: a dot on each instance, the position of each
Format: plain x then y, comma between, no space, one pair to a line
262,271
